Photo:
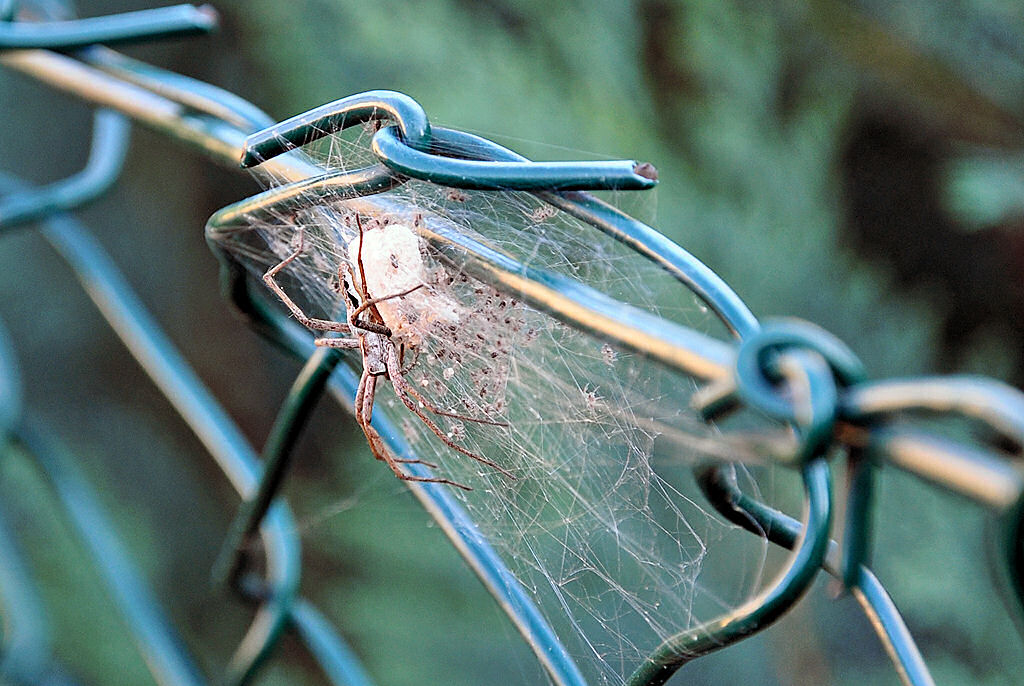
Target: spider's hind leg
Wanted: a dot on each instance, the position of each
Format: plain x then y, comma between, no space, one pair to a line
381,452
365,394
406,393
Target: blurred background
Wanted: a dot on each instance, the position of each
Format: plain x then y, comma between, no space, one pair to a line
857,164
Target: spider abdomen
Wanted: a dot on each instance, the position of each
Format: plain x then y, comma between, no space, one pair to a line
392,263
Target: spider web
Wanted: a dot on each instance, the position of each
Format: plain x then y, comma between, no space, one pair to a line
602,524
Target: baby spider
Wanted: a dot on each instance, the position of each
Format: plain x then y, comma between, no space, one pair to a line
370,327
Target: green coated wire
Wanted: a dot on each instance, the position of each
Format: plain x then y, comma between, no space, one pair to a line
337,659
127,27
25,652
10,385
304,128
784,531
197,96
163,363
154,351
406,149
277,456
165,655
857,530
25,647
770,604
994,405
623,175
106,158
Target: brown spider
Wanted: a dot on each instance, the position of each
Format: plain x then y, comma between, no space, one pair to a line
381,358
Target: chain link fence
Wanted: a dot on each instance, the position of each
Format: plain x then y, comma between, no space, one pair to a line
556,458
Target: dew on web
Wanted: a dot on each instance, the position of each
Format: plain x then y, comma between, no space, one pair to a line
603,523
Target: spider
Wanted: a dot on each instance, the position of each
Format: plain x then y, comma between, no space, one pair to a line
381,356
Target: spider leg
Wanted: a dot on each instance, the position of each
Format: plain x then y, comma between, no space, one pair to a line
401,358
402,388
345,343
359,259
365,324
435,410
381,452
308,322
365,394
371,302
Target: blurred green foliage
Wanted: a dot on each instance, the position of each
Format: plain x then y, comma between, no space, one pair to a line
803,149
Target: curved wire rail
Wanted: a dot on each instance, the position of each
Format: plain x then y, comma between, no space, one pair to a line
791,371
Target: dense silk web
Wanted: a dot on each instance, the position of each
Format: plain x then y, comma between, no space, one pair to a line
602,524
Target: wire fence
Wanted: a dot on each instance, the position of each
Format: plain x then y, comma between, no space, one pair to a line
823,407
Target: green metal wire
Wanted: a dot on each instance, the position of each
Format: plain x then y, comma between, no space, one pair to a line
10,385
154,351
163,650
337,116
25,650
443,170
277,455
109,145
406,149
127,27
337,659
742,510
25,653
858,527
768,606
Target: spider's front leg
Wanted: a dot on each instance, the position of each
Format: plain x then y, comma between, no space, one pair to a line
370,304
308,322
342,343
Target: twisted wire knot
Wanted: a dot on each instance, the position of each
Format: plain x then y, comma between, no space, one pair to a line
791,371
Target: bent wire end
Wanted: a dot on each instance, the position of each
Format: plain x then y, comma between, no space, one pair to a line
106,158
457,160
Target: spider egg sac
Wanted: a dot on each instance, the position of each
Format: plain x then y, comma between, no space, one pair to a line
393,263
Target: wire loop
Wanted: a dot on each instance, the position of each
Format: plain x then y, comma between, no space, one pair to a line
756,369
784,349
302,129
409,148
